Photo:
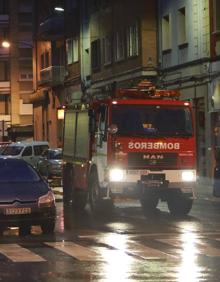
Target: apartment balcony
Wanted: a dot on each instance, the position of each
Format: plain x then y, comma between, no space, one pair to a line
5,87
52,76
51,28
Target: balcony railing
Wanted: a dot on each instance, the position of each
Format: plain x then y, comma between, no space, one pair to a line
52,76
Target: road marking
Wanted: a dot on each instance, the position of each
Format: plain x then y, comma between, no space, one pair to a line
196,246
133,248
74,250
17,253
146,252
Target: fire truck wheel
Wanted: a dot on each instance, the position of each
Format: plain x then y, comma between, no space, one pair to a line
149,201
97,204
79,199
67,184
179,204
94,196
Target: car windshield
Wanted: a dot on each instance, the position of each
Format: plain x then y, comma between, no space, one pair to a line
152,120
12,150
17,172
54,155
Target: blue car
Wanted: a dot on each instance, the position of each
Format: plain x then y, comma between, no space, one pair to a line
25,197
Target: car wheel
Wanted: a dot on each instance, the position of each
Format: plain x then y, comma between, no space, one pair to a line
48,227
24,230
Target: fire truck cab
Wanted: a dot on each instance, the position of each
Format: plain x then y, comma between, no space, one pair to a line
140,144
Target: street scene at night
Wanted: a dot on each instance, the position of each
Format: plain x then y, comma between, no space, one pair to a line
109,140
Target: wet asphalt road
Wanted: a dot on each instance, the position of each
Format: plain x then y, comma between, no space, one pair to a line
124,247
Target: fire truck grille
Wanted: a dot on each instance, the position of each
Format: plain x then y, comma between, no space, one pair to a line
152,160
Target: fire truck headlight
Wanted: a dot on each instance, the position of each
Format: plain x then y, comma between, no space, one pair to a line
116,175
188,175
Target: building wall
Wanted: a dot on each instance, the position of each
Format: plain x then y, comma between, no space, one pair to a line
119,16
197,32
184,62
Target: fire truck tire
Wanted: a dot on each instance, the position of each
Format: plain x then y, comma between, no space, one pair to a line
67,185
179,204
97,204
149,201
79,199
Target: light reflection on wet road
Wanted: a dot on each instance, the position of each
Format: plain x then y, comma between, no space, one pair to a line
125,247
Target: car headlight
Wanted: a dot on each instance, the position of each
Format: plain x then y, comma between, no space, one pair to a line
188,175
47,200
116,175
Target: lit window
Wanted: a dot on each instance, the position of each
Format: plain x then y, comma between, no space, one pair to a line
132,40
119,46
166,40
107,50
72,48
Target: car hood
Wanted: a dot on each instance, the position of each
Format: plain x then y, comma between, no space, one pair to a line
22,191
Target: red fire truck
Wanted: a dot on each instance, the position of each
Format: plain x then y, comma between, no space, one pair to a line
140,144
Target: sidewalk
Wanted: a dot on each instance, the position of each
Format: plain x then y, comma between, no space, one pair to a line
204,189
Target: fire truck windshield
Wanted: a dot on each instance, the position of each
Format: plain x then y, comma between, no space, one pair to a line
152,120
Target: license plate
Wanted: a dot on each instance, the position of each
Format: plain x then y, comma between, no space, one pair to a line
15,211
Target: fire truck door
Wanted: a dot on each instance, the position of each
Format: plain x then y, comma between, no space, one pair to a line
101,142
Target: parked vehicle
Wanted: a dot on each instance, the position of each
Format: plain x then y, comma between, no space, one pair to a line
28,151
50,163
140,144
25,197
3,145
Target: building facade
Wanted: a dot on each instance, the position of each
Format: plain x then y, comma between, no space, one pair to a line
100,50
48,70
184,60
16,75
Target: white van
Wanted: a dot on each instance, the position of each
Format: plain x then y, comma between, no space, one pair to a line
29,151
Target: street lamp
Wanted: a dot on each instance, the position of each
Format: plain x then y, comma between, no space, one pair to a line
60,112
6,44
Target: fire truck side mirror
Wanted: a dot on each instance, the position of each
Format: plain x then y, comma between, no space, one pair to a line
91,114
92,124
113,129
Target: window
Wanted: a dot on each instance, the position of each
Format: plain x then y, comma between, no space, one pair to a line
216,14
27,151
95,55
45,60
132,40
119,46
4,104
166,33
38,149
72,47
4,71
42,61
26,76
4,7
107,50
181,26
